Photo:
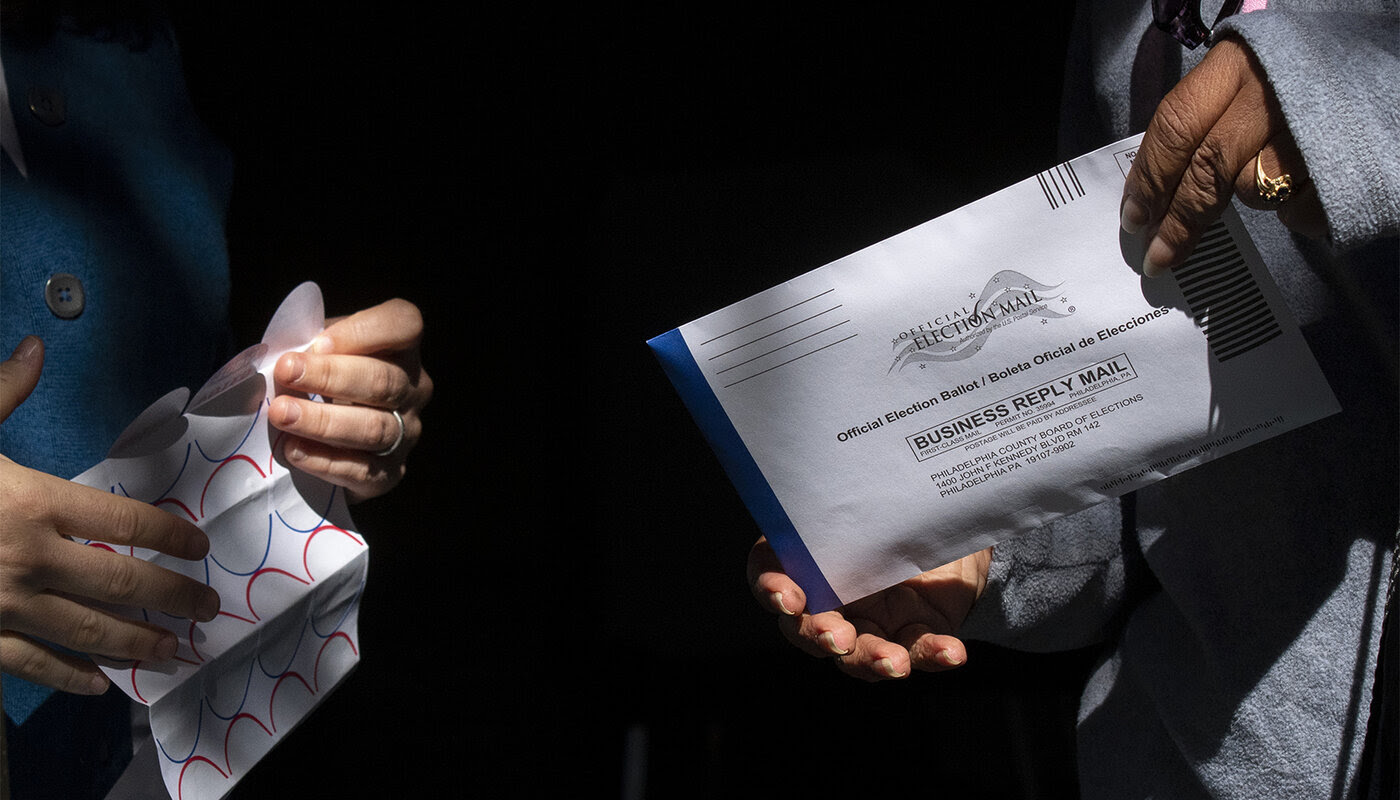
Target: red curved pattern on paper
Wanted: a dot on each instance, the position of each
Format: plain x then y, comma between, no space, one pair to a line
222,464
102,546
134,688
337,635
183,507
248,594
193,760
262,689
272,701
307,548
228,733
192,649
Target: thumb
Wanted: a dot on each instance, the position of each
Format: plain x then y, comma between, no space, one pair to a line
19,374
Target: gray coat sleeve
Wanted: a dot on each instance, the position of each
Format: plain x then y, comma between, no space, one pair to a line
1337,79
1059,587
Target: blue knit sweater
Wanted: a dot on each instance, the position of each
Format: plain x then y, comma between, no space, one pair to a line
127,192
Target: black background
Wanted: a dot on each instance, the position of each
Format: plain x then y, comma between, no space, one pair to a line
557,601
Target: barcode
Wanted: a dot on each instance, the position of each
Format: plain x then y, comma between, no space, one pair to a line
1060,185
1224,298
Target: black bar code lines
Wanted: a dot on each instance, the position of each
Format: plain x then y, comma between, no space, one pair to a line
778,339
1224,298
1060,185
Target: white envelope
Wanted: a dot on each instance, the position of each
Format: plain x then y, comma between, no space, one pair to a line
983,373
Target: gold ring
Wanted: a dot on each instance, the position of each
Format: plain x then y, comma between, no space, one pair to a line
1271,190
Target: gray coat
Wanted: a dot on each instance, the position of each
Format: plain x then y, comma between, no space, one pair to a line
1240,604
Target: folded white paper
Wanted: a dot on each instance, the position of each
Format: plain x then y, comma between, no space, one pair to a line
983,373
283,554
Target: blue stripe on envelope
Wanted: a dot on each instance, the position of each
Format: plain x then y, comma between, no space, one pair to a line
679,365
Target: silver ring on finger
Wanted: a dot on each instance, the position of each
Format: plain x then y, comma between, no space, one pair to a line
398,440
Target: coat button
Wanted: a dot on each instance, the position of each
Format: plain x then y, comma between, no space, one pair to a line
48,105
64,295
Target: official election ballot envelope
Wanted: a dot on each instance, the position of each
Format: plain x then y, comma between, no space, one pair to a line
983,373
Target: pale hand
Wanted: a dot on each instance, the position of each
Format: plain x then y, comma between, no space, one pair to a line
365,366
51,586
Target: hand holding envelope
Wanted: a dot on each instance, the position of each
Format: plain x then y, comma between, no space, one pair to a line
972,379
1201,147
908,626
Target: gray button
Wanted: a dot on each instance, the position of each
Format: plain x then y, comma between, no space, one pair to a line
48,105
64,295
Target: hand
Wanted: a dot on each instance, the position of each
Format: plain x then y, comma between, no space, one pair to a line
367,366
1200,147
49,583
883,636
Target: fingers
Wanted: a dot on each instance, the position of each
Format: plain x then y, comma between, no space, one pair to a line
362,474
371,430
82,512
52,588
24,658
1203,136
390,326
771,587
19,374
367,381
367,365
819,635
107,577
858,645
59,508
85,629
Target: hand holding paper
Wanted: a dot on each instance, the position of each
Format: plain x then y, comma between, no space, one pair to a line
283,556
50,585
369,364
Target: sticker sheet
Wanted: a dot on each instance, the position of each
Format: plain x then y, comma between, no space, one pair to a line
284,556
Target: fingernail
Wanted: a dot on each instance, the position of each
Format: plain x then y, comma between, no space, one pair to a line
777,599
829,642
887,666
1157,261
951,658
208,606
26,349
321,345
1132,217
296,364
165,649
199,547
98,684
288,411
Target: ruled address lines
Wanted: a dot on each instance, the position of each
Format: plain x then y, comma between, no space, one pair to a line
778,339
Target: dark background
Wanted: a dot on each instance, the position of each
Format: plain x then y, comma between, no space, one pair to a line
557,600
